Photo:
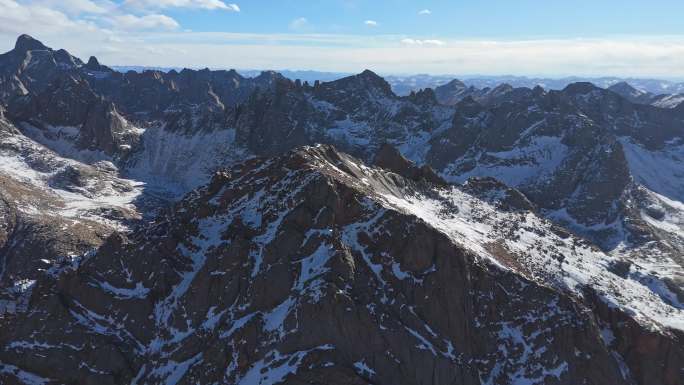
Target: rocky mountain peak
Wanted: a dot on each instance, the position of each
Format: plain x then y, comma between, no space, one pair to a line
425,96
632,94
266,78
455,91
580,88
370,75
367,80
93,62
469,106
624,88
184,72
502,89
66,60
538,90
373,78
455,84
451,92
94,65
27,43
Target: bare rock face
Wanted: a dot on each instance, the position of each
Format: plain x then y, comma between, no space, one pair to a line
456,91
70,102
495,192
391,159
31,66
313,268
97,68
65,102
452,92
27,43
105,129
630,93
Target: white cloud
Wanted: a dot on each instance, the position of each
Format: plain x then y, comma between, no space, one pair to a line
298,24
70,20
199,4
15,19
233,7
118,37
425,12
427,42
77,7
371,23
154,21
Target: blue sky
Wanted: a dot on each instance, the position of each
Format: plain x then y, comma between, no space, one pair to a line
523,37
450,19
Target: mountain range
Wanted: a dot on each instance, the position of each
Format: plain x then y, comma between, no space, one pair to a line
404,84
198,226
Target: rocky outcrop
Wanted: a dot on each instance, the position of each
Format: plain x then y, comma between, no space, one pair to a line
31,66
106,130
455,91
451,92
27,43
154,94
493,191
300,269
70,102
649,356
391,159
630,93
97,68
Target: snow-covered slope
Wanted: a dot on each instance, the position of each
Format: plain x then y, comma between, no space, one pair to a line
660,170
535,249
315,267
173,163
69,189
53,208
669,101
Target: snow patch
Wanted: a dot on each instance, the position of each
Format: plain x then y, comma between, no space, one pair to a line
275,368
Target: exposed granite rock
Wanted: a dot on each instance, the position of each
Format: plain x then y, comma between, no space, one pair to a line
324,283
31,66
70,102
27,43
391,159
495,192
94,65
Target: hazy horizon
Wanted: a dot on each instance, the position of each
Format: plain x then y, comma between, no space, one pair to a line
397,74
529,38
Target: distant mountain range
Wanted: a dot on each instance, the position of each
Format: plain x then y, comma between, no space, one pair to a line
404,84
207,227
